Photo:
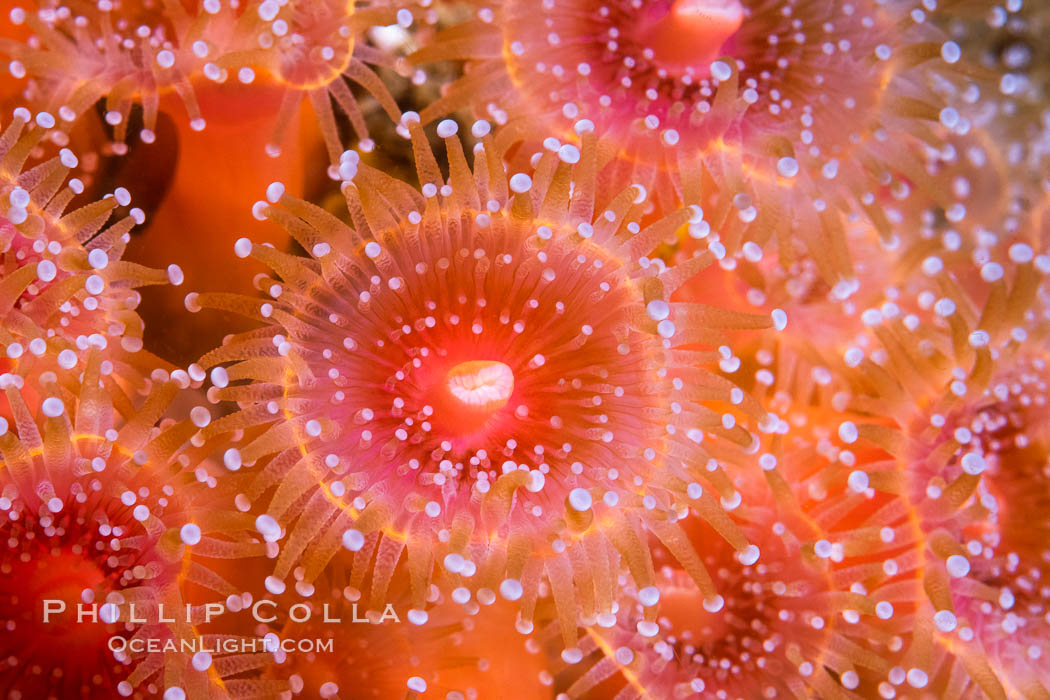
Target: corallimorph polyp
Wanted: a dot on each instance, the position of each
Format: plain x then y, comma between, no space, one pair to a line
774,630
977,475
97,514
784,111
62,281
1005,598
487,375
951,398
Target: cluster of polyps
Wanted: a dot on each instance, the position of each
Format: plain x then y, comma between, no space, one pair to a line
737,106
486,375
495,385
130,55
100,515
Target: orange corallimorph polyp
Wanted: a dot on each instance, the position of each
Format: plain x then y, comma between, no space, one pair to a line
128,56
63,285
96,511
981,483
775,629
947,370
599,439
754,126
312,48
774,622
841,490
